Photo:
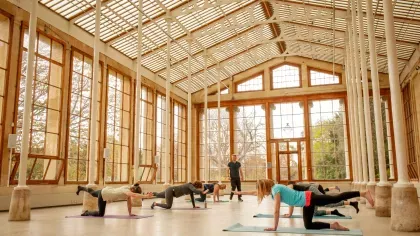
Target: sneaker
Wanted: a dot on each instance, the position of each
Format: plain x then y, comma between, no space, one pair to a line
240,200
85,213
153,205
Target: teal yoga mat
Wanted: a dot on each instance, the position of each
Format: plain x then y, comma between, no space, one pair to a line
326,217
241,228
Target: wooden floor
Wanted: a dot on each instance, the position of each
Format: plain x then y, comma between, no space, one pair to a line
52,221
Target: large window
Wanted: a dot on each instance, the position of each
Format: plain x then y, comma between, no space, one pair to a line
44,162
411,129
118,127
285,76
160,136
212,141
253,84
287,120
386,122
328,140
250,140
5,29
318,77
78,154
146,162
180,143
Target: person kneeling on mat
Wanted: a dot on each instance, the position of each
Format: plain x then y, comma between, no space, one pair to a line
316,189
178,191
307,200
213,188
109,194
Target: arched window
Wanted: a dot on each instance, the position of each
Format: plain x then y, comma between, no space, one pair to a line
318,78
285,76
254,83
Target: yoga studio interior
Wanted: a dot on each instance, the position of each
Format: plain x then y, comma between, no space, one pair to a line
209,117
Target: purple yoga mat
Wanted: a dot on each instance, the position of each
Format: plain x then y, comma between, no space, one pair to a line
178,208
113,217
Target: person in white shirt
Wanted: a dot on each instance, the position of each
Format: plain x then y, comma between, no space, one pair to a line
110,194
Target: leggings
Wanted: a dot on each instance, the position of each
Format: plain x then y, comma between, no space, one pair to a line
316,190
101,202
236,183
323,200
168,194
202,198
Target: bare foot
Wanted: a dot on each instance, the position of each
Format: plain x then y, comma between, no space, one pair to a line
337,226
369,198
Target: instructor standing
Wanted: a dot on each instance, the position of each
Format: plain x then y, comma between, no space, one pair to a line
235,175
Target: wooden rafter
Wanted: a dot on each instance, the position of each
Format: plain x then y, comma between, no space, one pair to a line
275,29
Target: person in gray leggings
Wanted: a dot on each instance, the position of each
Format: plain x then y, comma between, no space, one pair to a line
178,191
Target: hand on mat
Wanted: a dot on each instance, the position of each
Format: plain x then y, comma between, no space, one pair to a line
270,229
286,215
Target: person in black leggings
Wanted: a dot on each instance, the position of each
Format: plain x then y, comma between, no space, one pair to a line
178,191
307,200
109,194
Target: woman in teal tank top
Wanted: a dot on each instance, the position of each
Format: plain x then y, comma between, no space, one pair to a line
307,200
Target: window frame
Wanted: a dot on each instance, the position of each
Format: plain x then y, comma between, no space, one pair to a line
272,68
161,159
153,164
100,118
130,130
237,83
173,169
339,75
6,83
59,157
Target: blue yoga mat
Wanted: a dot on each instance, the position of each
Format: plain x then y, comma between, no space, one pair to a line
326,217
240,228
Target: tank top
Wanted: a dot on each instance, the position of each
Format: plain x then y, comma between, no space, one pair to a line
110,194
289,196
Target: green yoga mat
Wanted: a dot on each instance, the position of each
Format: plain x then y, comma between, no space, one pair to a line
241,228
326,217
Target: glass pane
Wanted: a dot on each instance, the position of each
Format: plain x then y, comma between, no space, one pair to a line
2,81
53,121
57,52
51,147
53,170
4,54
54,98
38,142
4,28
44,46
56,75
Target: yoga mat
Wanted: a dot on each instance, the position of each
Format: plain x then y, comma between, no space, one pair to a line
326,217
284,205
113,217
178,208
210,201
241,228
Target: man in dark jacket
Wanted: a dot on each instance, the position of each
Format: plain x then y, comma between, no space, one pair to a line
235,175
